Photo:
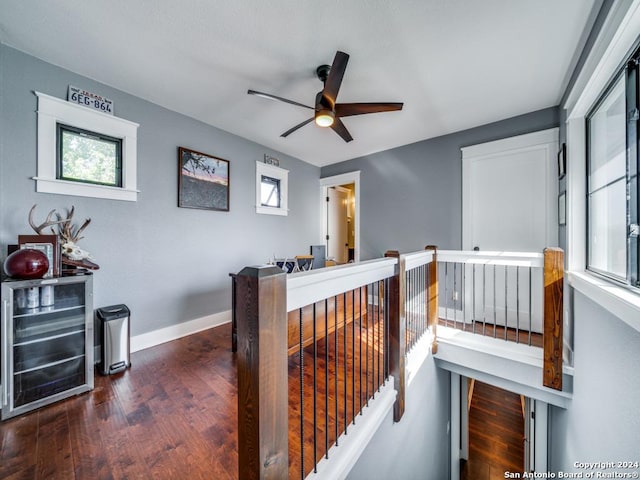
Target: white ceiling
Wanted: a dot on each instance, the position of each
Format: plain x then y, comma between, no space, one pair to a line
455,64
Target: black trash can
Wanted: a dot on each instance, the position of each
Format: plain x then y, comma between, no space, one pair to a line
114,339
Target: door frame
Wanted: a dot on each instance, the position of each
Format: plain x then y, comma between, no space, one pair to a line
536,426
336,181
543,139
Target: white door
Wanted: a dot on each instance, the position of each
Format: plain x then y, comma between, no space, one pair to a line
510,193
510,204
337,224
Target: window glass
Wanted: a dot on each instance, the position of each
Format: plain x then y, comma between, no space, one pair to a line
607,139
270,192
608,230
89,157
611,188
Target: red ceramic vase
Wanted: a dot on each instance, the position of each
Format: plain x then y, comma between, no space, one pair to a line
26,264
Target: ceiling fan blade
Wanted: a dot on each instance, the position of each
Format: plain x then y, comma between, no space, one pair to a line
273,97
293,129
350,109
341,130
334,80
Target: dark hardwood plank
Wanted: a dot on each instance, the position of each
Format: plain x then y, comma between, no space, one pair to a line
19,448
88,450
173,414
53,455
496,434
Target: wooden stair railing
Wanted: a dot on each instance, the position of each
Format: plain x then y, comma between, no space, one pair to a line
432,293
397,333
553,317
263,435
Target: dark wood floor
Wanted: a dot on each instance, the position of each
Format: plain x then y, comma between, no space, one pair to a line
496,434
174,413
349,367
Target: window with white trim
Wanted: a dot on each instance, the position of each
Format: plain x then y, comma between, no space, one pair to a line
271,189
88,157
85,152
612,179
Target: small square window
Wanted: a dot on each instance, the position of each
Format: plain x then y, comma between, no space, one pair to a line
88,157
271,189
270,192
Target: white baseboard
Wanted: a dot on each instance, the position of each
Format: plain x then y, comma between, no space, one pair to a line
173,332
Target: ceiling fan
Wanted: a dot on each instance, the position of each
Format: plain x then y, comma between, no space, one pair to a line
327,111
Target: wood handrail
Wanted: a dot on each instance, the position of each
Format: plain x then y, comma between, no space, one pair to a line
261,305
513,259
417,259
553,317
306,288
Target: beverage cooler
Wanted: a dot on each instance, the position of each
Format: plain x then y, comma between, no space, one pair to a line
47,341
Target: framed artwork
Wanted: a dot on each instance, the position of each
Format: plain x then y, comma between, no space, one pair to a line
562,161
562,209
203,181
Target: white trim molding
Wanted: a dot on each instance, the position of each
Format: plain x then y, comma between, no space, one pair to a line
334,181
617,38
179,330
621,302
52,111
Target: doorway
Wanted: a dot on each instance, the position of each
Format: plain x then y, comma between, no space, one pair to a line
341,217
497,437
510,193
520,417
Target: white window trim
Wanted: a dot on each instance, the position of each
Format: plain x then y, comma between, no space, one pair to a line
52,111
613,45
277,173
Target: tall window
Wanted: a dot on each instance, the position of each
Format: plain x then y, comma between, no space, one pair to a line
612,183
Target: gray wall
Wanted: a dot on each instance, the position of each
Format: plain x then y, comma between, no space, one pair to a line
417,447
602,422
411,196
168,264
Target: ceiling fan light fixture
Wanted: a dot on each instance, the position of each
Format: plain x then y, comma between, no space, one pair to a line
324,117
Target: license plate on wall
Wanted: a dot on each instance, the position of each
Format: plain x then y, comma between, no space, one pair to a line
91,100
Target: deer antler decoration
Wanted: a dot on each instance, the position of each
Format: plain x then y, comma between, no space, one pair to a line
67,228
49,222
68,234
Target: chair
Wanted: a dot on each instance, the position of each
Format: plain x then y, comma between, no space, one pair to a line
304,262
319,255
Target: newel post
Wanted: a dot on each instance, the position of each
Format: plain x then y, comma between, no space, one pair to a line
553,317
432,295
263,450
397,333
